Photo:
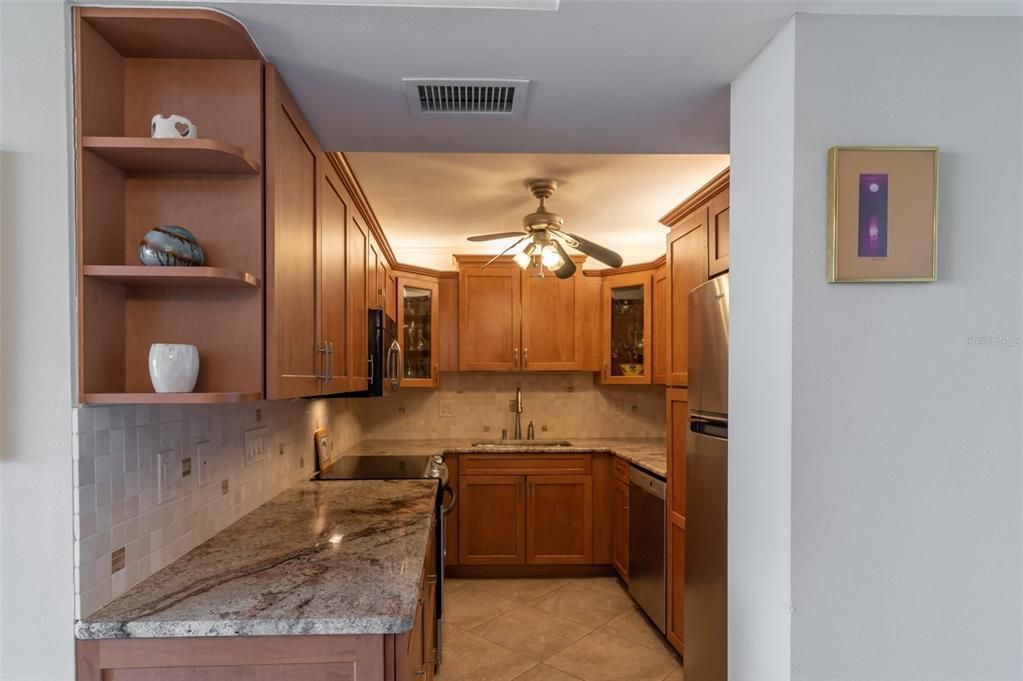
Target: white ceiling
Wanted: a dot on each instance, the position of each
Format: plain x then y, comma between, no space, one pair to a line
609,76
429,203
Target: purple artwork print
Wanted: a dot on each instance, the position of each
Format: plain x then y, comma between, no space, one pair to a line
873,231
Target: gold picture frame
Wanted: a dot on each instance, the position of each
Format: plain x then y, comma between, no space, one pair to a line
870,189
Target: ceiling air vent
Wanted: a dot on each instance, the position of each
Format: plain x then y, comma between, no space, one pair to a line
463,97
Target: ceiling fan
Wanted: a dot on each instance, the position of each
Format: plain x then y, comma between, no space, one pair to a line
544,237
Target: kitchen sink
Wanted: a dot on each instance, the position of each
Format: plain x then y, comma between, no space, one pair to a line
506,444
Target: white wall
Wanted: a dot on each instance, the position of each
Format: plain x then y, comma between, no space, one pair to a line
760,374
36,559
905,500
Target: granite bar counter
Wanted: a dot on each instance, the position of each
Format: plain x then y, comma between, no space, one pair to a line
650,454
337,557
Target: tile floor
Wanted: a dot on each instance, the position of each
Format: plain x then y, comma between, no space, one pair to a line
584,629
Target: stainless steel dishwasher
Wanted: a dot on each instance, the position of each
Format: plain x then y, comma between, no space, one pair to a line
647,569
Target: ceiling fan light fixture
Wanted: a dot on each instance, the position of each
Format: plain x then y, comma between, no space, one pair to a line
550,258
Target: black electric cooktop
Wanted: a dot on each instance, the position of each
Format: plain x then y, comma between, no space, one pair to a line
382,468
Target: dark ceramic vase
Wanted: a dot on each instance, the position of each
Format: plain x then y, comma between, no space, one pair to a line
170,245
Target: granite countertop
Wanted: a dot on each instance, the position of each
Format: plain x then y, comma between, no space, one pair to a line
651,454
338,557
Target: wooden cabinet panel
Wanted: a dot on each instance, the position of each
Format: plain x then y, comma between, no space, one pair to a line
620,510
358,321
587,322
718,234
549,318
448,292
292,165
451,511
335,207
377,274
559,519
489,317
677,418
626,329
491,521
687,269
660,325
391,295
419,327
526,464
676,583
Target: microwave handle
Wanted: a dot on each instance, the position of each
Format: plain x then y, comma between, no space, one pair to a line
395,362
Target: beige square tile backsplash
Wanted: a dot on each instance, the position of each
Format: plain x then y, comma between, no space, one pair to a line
568,404
115,456
116,480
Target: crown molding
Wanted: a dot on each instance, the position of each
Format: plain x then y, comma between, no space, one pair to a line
700,196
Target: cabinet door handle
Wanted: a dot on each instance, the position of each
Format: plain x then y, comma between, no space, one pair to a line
321,360
516,358
525,358
330,359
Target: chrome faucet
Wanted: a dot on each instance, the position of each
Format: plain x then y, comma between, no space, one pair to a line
518,414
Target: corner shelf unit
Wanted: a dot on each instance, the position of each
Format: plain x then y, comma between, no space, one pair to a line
130,64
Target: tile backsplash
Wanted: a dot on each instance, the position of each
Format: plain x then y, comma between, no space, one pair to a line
117,501
568,404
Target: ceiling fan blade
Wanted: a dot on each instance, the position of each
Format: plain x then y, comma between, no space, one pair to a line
492,237
595,251
567,268
506,250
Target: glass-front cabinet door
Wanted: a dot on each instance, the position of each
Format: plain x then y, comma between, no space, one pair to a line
628,356
417,322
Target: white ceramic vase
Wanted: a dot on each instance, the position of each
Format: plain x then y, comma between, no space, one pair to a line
173,368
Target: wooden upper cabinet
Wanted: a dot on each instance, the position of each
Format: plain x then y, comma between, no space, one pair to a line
391,295
419,327
489,317
627,320
660,325
357,283
293,156
335,213
550,313
687,269
448,338
375,273
559,519
717,234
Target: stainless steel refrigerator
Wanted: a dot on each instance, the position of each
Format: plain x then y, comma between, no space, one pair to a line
706,565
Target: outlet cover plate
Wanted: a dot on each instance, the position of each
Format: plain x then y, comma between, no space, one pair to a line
165,480
202,458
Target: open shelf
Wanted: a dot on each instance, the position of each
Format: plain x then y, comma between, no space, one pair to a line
169,398
147,155
140,275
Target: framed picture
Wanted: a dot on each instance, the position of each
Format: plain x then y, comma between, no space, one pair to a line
323,450
882,214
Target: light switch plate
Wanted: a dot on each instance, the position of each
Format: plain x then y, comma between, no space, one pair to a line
165,480
202,457
256,445
446,407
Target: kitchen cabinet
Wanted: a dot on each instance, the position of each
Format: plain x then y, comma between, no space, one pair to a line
559,519
418,311
620,522
335,214
661,300
491,519
421,643
489,316
718,234
448,292
357,284
523,509
697,248
296,351
511,320
677,420
626,309
376,267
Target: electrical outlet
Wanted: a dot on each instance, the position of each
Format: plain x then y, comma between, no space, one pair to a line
164,475
117,560
224,486
634,409
280,449
186,467
301,462
259,415
486,429
255,445
202,457
543,428
446,407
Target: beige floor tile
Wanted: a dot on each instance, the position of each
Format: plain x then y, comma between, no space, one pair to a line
470,606
531,632
542,672
468,657
634,626
583,605
607,584
521,590
601,657
454,584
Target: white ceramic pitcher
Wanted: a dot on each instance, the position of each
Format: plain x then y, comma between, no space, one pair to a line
173,367
172,127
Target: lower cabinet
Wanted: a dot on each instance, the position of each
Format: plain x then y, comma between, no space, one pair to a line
620,523
676,578
677,419
528,510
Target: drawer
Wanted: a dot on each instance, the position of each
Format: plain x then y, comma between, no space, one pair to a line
525,464
622,469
